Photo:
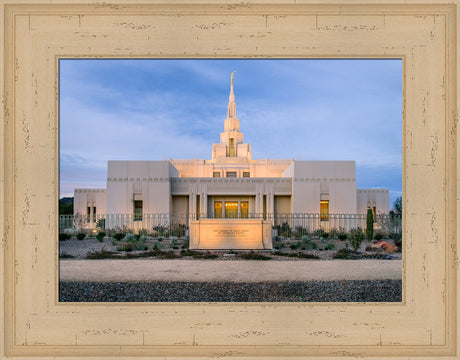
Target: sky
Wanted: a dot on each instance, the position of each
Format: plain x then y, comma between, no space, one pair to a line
312,109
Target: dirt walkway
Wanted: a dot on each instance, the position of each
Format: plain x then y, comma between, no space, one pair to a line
234,271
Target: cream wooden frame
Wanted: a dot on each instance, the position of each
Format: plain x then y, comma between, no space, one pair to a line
37,33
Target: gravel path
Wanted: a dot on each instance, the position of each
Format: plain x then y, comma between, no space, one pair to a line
227,271
290,291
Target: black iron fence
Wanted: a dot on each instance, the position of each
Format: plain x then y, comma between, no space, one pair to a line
284,224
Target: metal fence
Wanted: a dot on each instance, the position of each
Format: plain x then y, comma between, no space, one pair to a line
284,224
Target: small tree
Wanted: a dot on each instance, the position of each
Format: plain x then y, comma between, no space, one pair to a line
370,225
356,237
397,205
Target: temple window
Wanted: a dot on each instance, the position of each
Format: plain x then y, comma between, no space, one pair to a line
231,148
137,210
324,210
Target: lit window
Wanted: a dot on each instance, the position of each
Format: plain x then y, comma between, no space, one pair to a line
244,209
231,173
231,148
137,210
88,213
231,209
216,174
324,210
218,209
246,174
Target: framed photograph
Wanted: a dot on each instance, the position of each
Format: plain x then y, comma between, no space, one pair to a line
37,36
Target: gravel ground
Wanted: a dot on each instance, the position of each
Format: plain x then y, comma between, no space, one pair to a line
288,291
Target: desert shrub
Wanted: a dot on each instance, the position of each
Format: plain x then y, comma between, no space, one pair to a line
347,254
81,235
160,238
296,246
299,231
100,236
285,230
174,243
101,224
198,254
342,235
130,237
330,246
334,232
143,238
278,246
306,238
378,236
254,256
66,256
64,236
103,254
156,245
397,239
306,255
356,237
298,254
321,233
168,255
189,252
186,243
119,236
370,225
125,247
280,253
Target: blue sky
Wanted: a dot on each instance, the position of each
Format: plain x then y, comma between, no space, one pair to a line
147,109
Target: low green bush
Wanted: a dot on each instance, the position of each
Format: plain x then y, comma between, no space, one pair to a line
125,247
254,256
186,243
298,254
65,256
100,236
355,238
103,254
342,235
130,238
330,246
306,238
119,236
306,255
174,244
81,235
64,236
347,254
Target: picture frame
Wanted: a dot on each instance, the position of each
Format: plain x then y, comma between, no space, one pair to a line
38,33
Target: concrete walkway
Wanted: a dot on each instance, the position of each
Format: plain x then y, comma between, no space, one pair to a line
227,270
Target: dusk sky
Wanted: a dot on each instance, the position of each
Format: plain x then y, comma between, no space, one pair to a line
312,109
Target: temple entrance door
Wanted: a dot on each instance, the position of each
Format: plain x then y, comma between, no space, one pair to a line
218,209
244,209
231,209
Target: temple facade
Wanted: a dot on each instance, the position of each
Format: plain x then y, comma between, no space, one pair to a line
230,185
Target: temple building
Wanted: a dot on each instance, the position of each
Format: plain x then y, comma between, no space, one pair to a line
230,185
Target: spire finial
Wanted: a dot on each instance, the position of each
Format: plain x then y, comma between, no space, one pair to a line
231,79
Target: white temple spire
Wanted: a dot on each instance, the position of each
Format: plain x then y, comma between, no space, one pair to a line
231,101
